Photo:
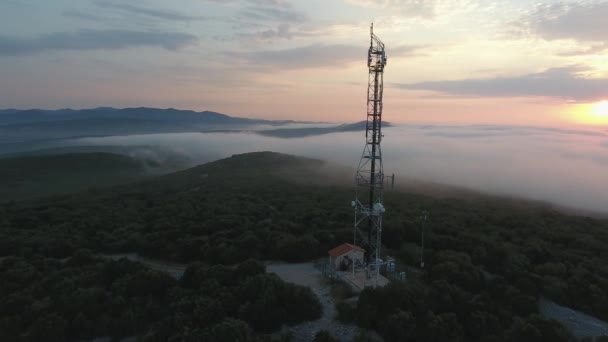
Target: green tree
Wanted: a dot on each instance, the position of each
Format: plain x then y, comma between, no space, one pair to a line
324,336
50,328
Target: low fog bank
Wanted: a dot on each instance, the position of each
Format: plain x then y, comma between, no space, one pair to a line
566,167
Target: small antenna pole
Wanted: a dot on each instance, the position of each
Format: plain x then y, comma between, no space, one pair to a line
424,219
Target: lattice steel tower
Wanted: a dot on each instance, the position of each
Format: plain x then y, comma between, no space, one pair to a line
369,181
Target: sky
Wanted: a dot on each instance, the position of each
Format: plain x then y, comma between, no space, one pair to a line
511,62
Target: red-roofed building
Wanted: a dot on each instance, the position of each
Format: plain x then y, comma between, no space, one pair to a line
342,257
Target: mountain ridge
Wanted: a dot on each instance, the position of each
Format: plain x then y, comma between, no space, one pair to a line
28,115
21,128
18,126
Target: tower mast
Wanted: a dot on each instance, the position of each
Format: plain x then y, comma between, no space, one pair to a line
369,181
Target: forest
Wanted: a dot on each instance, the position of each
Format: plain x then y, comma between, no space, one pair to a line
489,259
84,297
27,177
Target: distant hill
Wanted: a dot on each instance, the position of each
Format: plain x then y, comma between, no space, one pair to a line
311,131
37,124
43,132
40,126
12,116
39,176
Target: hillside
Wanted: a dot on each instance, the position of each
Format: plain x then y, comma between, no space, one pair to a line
39,176
487,261
37,124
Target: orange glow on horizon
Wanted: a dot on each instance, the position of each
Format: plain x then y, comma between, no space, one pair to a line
590,114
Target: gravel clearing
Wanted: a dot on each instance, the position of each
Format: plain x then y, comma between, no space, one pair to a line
578,323
306,275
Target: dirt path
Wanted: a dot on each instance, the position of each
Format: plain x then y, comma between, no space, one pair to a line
173,269
578,323
306,275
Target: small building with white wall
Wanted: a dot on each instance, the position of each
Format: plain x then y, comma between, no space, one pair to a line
342,257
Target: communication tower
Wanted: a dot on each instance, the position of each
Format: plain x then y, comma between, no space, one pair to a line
369,181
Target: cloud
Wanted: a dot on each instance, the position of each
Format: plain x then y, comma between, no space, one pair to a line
405,50
314,56
565,83
560,166
267,20
280,3
288,31
407,8
595,49
268,10
94,39
567,20
148,11
481,131
268,13
83,15
257,2
423,9
283,31
18,4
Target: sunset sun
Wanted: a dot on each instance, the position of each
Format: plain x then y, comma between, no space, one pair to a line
591,114
600,110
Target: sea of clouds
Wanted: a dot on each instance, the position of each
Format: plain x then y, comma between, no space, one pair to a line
562,166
